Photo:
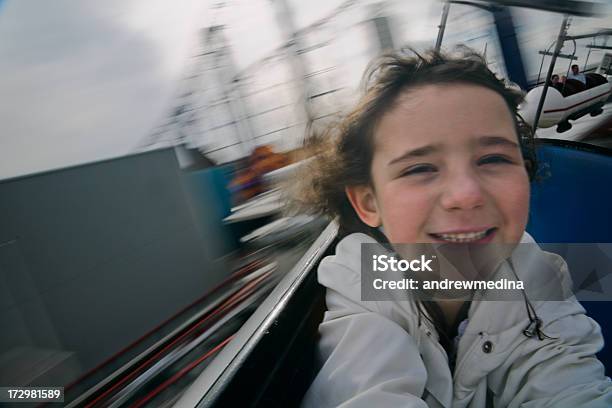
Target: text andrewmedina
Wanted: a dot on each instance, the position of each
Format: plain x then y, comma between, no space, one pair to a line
446,284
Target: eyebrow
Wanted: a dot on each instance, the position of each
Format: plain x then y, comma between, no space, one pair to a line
430,149
496,141
418,152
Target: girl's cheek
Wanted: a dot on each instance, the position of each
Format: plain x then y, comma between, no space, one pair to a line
514,185
408,200
521,189
405,212
516,201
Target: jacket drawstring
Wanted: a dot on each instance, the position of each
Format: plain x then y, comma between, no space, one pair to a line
534,328
535,323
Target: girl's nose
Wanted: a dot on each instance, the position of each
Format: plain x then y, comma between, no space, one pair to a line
463,191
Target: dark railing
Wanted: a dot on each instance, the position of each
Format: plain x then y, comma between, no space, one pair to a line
270,360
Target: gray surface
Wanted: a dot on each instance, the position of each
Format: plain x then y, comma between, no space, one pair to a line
92,257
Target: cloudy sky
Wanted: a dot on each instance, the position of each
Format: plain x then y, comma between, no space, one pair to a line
84,80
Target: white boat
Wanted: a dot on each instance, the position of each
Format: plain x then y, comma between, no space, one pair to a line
559,109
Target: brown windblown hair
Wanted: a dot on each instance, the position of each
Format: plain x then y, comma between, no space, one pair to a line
346,149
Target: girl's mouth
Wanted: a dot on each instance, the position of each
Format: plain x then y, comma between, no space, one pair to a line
480,237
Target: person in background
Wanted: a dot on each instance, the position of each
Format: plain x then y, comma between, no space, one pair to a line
556,83
576,74
554,79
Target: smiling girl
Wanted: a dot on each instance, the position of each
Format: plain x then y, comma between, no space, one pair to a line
435,152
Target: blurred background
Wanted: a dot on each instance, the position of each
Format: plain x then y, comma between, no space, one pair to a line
84,81
143,151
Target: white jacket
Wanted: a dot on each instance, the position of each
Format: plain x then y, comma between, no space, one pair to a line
375,354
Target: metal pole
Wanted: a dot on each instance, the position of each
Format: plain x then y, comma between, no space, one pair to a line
540,71
442,25
236,105
559,45
586,60
542,63
607,31
284,18
509,45
569,66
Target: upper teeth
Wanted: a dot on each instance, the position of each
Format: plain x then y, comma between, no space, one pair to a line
463,237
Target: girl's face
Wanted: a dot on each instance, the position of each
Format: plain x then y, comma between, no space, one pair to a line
447,167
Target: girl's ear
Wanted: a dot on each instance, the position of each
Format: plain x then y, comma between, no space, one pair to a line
364,203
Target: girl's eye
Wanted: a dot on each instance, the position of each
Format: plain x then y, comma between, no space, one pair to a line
495,159
418,169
